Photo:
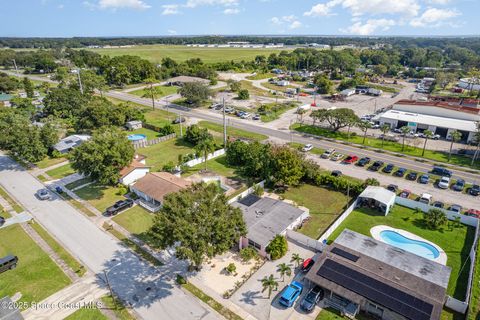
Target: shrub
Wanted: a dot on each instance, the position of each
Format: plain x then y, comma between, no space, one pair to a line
243,94
122,190
231,268
435,218
278,247
166,130
258,190
169,167
372,182
248,254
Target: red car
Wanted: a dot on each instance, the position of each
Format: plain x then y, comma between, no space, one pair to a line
473,213
307,264
350,159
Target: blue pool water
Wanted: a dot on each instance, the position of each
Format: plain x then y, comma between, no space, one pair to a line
417,247
136,137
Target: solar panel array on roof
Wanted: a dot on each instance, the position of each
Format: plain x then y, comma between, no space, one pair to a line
249,200
376,291
344,254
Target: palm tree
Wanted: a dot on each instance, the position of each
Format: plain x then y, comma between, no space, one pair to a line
151,91
435,218
384,128
269,283
284,269
297,259
428,135
350,123
301,112
364,126
405,130
454,136
205,146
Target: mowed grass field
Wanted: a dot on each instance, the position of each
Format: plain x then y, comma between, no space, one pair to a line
156,53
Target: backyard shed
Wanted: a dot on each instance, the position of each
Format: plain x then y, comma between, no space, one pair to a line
378,198
133,125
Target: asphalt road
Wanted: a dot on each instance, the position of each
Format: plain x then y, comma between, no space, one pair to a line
290,136
151,291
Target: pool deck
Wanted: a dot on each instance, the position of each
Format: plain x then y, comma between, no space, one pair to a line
375,232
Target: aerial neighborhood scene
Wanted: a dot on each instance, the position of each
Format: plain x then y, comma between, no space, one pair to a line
234,159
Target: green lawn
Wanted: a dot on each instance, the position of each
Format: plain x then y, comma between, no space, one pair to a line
260,76
437,156
78,183
257,91
61,172
299,147
165,91
161,153
157,52
137,220
218,165
274,87
120,311
48,162
232,132
73,263
325,206
87,314
273,111
456,242
149,133
36,276
474,307
101,197
16,207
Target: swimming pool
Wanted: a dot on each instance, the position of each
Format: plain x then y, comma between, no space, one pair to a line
136,137
417,247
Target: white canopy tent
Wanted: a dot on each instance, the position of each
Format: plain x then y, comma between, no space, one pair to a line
377,197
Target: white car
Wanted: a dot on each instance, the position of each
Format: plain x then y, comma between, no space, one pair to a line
307,147
337,156
43,194
246,115
327,154
444,183
425,198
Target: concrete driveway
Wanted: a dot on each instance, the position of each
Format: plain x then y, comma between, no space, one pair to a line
251,298
19,218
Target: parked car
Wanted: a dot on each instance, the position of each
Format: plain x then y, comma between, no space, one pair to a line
388,168
43,194
412,176
363,162
400,172
459,185
424,179
2,221
376,165
312,298
291,293
350,159
455,208
425,198
229,109
307,264
444,183
389,137
307,147
440,171
58,189
179,120
119,206
474,190
337,156
256,117
473,213
7,263
438,204
405,193
328,153
215,105
245,115
392,187
336,173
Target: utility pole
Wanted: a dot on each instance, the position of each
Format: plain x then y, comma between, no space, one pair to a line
181,128
224,125
110,288
79,80
15,65
476,153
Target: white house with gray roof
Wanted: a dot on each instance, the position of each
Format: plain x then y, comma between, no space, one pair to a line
265,218
68,143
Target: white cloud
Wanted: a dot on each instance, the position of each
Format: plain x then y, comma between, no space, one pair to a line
433,17
172,32
322,9
368,7
290,21
295,25
276,20
197,3
231,11
117,4
170,9
369,27
441,2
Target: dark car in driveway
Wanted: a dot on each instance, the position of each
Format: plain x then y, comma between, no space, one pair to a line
311,299
388,168
424,179
376,165
400,172
392,187
438,204
412,176
474,190
363,162
336,173
459,185
119,206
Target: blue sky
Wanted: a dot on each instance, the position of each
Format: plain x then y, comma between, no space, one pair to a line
65,18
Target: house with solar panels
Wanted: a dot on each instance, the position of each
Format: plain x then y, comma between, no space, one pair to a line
360,274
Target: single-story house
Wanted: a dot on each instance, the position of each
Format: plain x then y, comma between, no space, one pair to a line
154,186
359,273
133,125
265,218
378,198
136,170
181,80
66,144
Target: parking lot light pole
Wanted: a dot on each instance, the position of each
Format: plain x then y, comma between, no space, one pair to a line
108,282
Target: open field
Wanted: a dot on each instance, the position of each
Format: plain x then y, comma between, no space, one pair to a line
101,197
232,132
137,220
455,241
36,275
164,152
165,91
157,52
61,172
325,206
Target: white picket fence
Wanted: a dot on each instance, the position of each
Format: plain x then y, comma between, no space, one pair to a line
246,192
194,162
337,222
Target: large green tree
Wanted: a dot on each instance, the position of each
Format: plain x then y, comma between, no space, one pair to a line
104,155
435,218
287,166
28,87
195,93
336,118
323,84
199,221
